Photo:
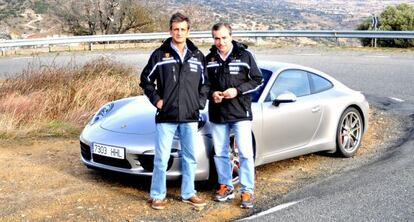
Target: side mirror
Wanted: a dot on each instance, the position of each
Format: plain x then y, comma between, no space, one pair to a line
285,97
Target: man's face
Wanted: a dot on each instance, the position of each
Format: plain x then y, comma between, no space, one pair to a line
222,40
179,32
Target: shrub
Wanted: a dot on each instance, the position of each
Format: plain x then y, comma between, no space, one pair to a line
59,100
393,18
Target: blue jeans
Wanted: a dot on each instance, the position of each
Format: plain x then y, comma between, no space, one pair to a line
164,137
243,139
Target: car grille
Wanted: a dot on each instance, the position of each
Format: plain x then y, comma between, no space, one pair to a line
147,162
122,163
85,151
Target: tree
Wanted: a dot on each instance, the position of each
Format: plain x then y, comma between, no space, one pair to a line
393,18
91,17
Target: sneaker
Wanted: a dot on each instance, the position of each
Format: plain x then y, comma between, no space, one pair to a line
158,204
247,200
224,193
195,201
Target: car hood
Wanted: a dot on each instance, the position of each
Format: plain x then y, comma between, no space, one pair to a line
134,117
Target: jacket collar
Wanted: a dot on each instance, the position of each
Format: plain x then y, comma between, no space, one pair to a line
237,48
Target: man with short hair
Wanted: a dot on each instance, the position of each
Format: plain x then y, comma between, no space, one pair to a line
174,80
233,75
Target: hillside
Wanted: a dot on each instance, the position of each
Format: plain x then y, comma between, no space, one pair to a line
28,18
283,14
36,18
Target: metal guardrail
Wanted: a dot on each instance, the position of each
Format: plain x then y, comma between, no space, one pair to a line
207,34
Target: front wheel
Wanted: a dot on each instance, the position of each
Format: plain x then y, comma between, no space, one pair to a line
349,132
235,161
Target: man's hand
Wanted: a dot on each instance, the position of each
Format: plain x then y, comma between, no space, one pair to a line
160,103
217,96
230,93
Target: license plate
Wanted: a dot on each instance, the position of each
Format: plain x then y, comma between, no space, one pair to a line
109,151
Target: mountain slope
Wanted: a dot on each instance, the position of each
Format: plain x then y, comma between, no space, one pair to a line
25,18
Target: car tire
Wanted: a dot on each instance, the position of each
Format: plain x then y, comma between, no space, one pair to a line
349,132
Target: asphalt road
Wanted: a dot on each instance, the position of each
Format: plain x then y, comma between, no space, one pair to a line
382,190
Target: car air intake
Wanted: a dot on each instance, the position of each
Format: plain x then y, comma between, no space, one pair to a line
147,161
111,161
85,151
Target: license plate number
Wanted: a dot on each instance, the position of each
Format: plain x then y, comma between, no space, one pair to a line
109,151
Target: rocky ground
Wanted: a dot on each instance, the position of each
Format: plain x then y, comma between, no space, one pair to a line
44,180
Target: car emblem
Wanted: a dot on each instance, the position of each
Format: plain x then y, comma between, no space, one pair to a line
124,126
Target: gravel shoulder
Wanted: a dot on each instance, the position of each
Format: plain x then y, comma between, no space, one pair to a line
44,179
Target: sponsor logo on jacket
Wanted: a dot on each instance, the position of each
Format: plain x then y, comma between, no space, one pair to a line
167,56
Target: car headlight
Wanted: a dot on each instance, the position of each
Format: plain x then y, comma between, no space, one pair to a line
101,113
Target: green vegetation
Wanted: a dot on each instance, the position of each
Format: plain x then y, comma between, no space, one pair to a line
40,6
13,9
393,18
58,101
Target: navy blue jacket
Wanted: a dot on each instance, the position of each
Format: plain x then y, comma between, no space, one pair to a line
239,71
182,86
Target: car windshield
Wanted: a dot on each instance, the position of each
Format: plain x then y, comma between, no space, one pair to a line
266,76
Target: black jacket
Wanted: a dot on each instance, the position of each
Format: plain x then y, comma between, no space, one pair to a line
182,86
239,71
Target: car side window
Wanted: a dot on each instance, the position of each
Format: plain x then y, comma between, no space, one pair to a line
319,83
266,74
294,80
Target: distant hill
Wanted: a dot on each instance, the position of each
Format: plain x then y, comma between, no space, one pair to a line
282,14
35,18
28,18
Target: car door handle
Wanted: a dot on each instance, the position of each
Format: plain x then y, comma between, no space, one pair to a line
316,109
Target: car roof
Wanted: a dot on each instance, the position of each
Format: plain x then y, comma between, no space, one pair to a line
276,67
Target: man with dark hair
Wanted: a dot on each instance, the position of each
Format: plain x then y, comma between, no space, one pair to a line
174,80
233,75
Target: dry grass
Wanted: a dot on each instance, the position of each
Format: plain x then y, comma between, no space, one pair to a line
58,101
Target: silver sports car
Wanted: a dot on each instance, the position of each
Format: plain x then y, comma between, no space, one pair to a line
297,111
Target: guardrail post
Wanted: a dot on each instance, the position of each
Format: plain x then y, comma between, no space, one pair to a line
259,40
50,48
90,48
336,39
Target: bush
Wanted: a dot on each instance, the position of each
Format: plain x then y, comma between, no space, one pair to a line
59,100
393,18
40,6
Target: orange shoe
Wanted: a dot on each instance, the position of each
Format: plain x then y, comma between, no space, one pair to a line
224,193
246,200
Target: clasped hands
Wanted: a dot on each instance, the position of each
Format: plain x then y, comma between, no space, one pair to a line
229,93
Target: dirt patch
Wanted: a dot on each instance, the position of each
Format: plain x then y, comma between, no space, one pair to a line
45,180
